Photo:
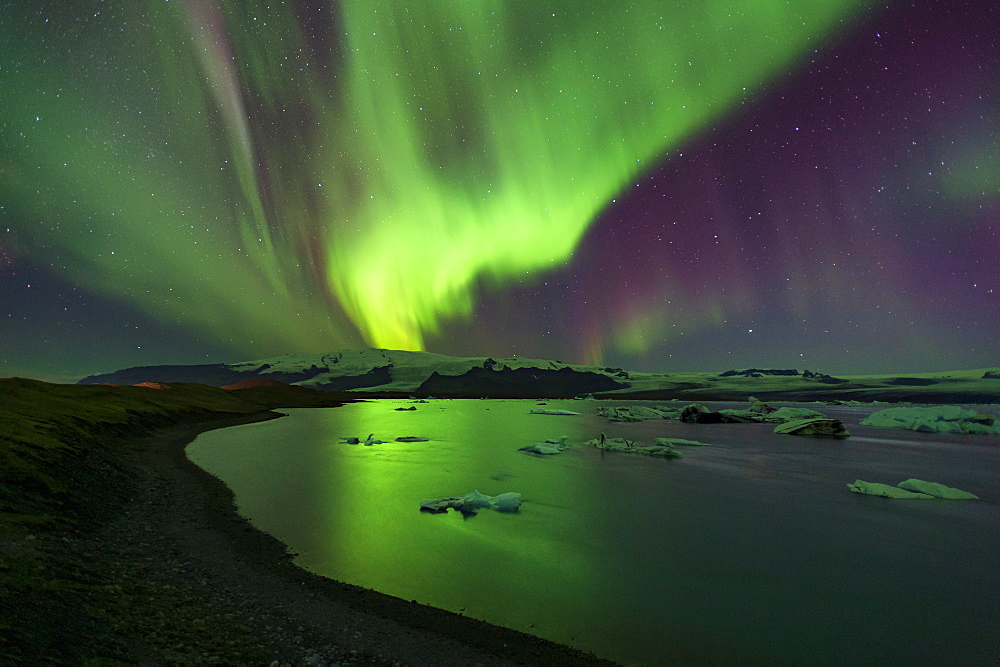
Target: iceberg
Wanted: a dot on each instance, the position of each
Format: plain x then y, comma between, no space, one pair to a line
663,450
817,427
638,413
885,490
911,488
679,442
757,413
934,419
471,503
548,447
783,415
936,490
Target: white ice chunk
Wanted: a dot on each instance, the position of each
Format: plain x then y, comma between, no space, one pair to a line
934,419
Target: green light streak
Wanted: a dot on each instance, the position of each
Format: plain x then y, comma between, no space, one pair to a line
491,140
218,174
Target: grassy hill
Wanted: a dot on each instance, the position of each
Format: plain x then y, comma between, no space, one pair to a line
50,434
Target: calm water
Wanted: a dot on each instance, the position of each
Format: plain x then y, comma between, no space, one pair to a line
748,551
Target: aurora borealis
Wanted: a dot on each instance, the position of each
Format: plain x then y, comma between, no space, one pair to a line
654,185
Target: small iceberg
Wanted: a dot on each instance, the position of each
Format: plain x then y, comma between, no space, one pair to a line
679,442
785,415
548,447
661,450
934,419
816,427
471,503
885,491
758,413
544,411
637,413
371,440
936,490
911,488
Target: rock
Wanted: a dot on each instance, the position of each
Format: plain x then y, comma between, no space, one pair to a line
934,419
545,411
936,490
471,503
817,427
412,407
885,490
411,438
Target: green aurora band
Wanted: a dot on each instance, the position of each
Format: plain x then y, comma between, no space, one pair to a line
227,169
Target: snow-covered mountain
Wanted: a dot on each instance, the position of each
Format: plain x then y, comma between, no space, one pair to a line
374,369
427,373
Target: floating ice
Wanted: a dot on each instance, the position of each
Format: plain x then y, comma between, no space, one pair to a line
637,413
548,447
622,445
817,427
471,503
934,419
936,490
911,488
885,490
675,442
782,415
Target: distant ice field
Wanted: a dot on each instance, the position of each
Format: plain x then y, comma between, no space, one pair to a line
749,551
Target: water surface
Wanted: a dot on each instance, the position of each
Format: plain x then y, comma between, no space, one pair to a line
748,551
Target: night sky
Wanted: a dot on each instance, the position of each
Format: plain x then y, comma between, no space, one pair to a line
659,185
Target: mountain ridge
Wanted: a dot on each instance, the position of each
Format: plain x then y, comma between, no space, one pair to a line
382,372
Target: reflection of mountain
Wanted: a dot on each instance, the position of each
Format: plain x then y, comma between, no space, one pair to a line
376,370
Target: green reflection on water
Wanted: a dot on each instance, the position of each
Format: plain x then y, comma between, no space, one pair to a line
746,552
352,511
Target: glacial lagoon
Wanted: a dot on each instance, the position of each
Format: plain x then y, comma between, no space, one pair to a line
749,551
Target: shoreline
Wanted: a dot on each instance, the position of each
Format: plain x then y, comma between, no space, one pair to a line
463,640
170,572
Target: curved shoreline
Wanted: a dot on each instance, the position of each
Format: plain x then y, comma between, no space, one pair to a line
178,576
355,620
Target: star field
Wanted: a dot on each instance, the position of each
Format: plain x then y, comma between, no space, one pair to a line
646,185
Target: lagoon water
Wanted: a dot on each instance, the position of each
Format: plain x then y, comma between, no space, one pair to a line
749,551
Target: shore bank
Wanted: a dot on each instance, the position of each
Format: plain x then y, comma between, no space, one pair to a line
158,567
